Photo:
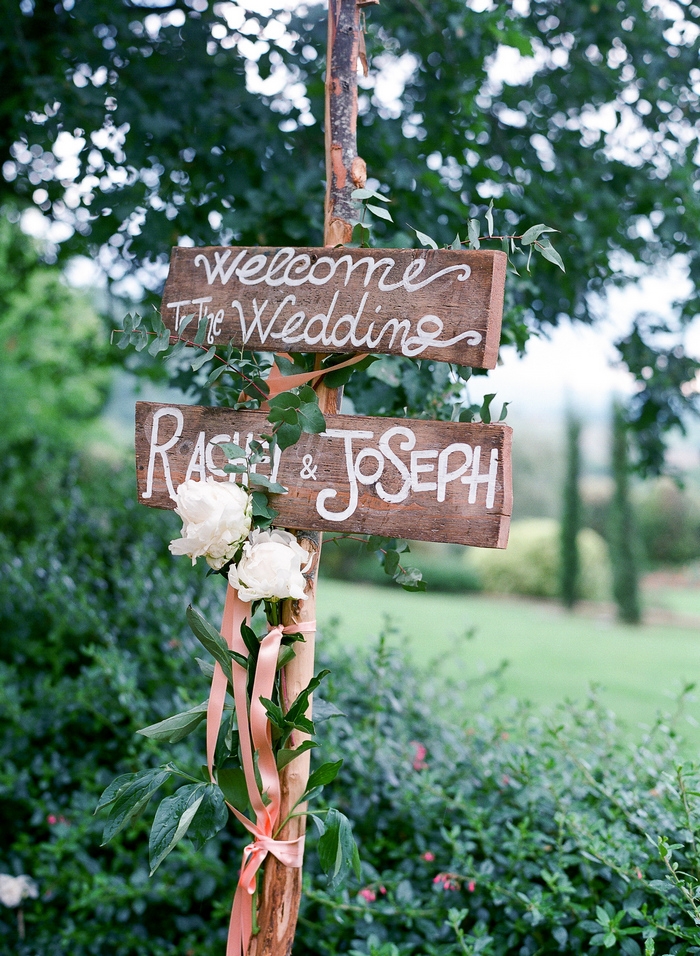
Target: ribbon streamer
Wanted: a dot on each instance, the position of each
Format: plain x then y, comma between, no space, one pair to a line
279,383
255,736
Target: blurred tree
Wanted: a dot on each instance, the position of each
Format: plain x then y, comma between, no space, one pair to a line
623,549
134,126
53,350
571,514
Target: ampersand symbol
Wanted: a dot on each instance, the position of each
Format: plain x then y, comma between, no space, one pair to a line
307,471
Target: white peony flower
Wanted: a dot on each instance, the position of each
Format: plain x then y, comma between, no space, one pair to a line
270,567
216,518
14,889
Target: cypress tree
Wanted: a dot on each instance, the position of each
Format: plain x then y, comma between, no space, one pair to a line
622,537
571,515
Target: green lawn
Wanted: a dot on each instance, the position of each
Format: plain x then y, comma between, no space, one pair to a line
552,655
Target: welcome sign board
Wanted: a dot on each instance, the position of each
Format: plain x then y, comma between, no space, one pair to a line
443,305
396,477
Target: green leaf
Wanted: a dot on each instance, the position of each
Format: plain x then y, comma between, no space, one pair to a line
326,773
489,218
288,368
160,343
602,916
547,250
287,435
485,410
201,330
110,794
217,373
285,655
202,358
337,850
534,232
240,659
132,800
233,786
391,562
205,667
210,817
504,412
256,388
282,414
456,243
185,323
286,756
649,948
301,703
176,728
361,194
285,400
274,713
262,509
609,940
307,394
256,452
324,710
424,239
473,233
172,820
311,418
411,579
376,542
232,451
251,641
209,638
380,211
272,486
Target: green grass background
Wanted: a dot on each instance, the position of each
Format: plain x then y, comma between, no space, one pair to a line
552,654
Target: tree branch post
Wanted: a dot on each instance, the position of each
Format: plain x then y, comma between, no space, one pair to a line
345,171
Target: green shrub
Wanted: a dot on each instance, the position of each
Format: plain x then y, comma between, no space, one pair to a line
530,565
668,522
505,835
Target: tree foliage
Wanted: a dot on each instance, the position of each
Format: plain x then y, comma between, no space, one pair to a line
54,374
201,123
571,514
623,544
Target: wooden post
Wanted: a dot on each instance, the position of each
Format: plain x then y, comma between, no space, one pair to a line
345,171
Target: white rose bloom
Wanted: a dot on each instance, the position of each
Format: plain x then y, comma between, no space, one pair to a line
270,567
13,889
216,518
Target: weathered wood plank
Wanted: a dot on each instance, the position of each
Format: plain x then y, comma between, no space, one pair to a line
443,305
406,478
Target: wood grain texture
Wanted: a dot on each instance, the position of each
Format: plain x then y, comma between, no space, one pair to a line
434,304
405,478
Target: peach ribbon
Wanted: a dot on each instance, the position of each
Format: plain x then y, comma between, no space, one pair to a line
254,728
255,736
278,382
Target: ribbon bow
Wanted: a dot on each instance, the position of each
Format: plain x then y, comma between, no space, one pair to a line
255,735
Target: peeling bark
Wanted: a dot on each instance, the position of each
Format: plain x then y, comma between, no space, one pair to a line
345,170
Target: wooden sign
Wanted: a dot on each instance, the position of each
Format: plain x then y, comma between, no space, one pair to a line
397,477
443,305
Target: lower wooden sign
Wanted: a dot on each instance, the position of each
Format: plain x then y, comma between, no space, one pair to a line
396,477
